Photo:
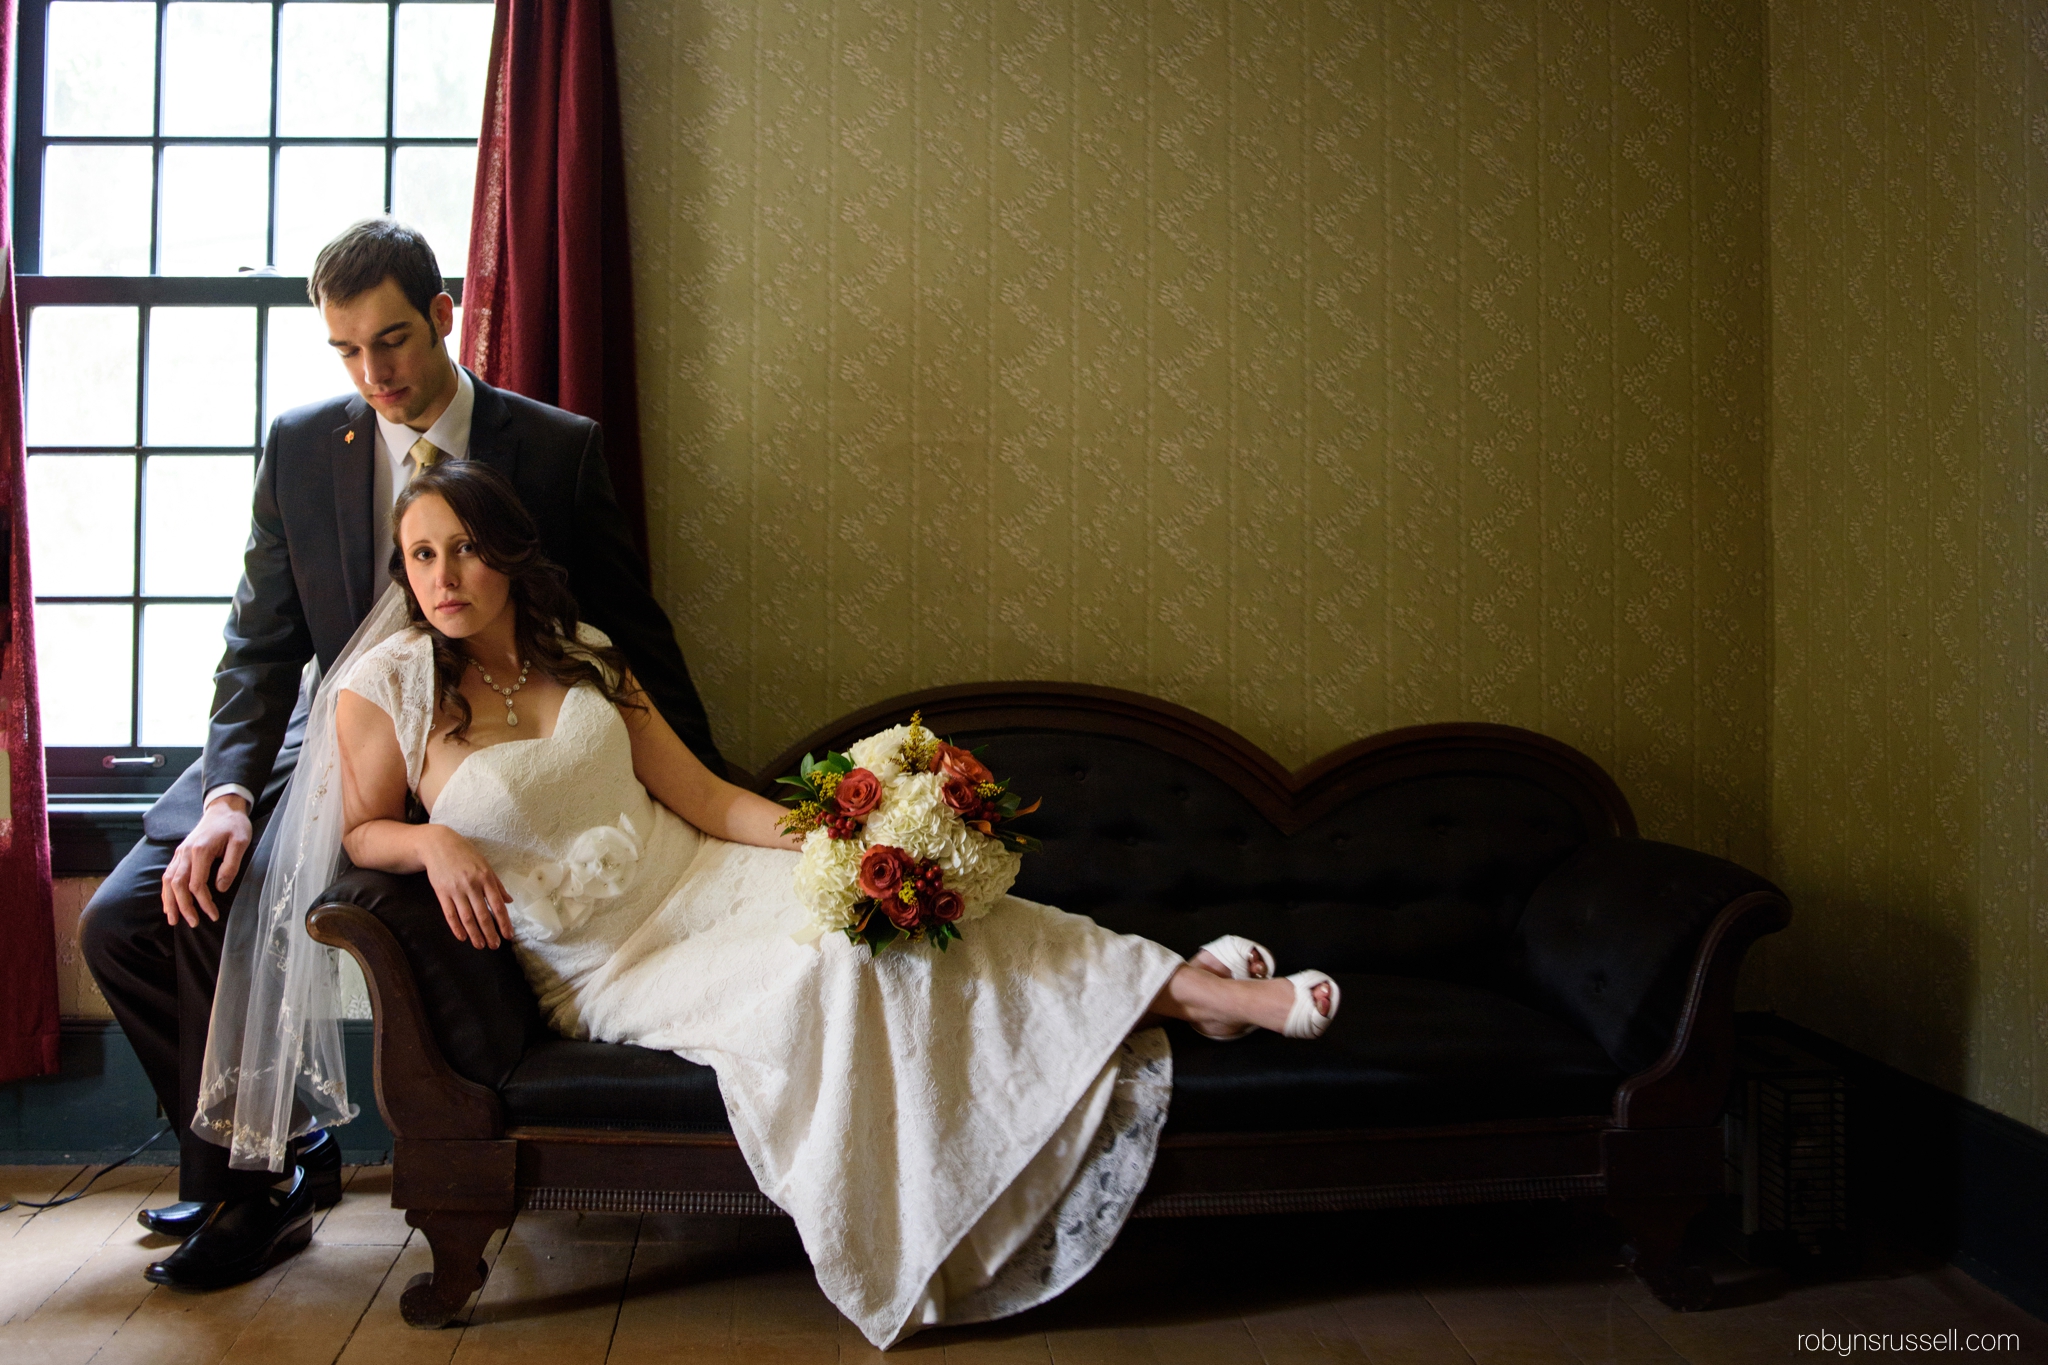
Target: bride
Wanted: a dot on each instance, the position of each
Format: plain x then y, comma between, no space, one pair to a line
957,1135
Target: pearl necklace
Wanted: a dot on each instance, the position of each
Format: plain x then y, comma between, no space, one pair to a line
511,716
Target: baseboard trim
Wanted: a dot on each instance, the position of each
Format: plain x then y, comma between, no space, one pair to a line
1957,1180
99,1105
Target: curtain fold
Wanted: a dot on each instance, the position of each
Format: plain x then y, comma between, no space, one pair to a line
547,305
28,941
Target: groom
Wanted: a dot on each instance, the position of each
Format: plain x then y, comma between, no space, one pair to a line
319,544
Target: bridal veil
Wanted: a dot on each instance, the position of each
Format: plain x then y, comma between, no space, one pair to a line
274,1068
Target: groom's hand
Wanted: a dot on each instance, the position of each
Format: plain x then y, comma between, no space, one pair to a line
221,836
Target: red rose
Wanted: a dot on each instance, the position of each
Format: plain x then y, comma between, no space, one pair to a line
959,795
859,792
903,914
882,870
954,761
947,905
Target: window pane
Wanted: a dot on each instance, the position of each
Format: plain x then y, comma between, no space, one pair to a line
81,525
96,211
303,368
330,70
84,668
202,377
216,204
195,523
81,376
443,55
431,188
320,191
102,73
181,646
217,70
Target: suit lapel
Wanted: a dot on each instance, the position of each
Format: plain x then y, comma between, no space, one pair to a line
492,437
354,446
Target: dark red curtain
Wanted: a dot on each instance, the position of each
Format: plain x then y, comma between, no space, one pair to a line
28,942
547,302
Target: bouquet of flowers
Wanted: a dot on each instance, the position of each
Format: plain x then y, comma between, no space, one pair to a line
905,838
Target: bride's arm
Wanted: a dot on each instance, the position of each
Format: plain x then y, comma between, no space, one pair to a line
376,834
679,780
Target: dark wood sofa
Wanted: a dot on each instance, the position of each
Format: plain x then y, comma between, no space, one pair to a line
1537,1003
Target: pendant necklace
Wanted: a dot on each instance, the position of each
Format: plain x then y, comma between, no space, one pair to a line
511,716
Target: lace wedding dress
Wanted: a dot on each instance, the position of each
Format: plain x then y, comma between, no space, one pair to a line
958,1135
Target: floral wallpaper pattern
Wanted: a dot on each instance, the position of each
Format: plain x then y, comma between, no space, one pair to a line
1322,366
1909,413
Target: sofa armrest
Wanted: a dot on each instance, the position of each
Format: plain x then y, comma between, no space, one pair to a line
1639,943
420,1094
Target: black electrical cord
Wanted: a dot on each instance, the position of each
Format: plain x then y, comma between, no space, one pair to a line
79,1193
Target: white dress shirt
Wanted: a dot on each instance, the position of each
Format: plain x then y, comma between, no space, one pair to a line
390,471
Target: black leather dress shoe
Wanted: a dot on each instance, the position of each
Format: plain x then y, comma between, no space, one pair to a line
181,1219
318,1153
241,1239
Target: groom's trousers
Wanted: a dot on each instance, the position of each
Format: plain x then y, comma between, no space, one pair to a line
159,981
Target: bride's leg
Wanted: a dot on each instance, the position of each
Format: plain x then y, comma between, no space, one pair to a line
1217,1004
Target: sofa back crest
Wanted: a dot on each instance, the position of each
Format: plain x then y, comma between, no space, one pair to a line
1411,853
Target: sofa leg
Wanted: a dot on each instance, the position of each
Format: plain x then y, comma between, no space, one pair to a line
457,1240
1656,1229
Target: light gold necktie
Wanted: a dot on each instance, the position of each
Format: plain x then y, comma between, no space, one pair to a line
424,453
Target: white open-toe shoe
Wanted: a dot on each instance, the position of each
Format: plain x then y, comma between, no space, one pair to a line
1236,955
1304,1020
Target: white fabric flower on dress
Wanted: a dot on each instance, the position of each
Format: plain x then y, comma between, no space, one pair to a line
559,895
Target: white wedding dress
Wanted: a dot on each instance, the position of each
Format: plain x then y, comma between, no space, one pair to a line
958,1135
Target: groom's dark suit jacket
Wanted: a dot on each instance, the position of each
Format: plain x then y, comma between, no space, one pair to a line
308,581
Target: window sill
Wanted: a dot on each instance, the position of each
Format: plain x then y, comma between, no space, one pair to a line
88,835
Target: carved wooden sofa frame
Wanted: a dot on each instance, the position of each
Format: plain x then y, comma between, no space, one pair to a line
1653,1156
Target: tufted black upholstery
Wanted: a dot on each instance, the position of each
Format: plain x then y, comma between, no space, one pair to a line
1608,940
1425,877
1411,1051
569,1084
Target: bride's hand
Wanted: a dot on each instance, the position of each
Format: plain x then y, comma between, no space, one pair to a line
472,898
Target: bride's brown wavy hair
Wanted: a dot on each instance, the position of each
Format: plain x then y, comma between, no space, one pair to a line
506,539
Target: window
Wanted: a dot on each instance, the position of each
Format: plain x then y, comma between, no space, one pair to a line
178,165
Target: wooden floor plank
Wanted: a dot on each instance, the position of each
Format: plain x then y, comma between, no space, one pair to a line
1734,1334
381,1336
1496,1326
1311,1335
994,1344
323,1295
568,1289
46,1249
183,1328
552,1296
779,1315
1597,1325
1104,1346
1397,1326
85,1312
31,1182
364,1217
678,1301
1218,1341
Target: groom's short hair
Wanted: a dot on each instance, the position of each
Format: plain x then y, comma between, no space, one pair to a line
371,252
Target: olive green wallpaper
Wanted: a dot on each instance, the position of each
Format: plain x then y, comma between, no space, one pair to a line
1323,367
1909,411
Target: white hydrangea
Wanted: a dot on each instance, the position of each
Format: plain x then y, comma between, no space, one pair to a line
826,879
881,754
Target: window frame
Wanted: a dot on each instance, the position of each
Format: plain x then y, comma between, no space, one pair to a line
107,782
